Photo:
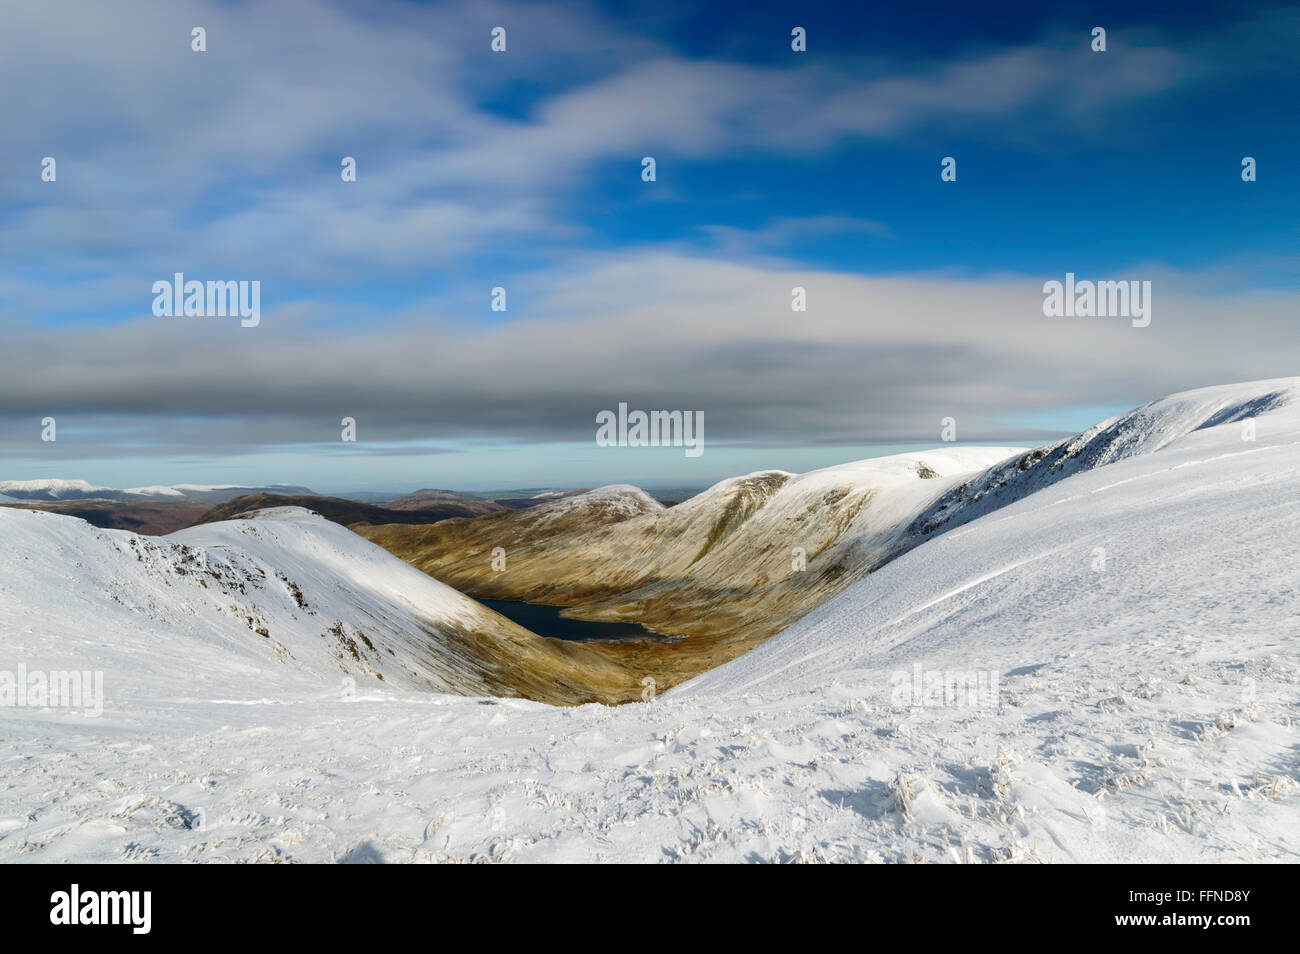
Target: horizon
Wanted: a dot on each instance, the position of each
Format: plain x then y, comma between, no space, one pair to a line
648,483
817,458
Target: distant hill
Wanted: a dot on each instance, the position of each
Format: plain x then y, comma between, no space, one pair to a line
153,511
335,509
477,504
159,510
149,518
446,501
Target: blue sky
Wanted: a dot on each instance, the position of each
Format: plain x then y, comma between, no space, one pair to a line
522,169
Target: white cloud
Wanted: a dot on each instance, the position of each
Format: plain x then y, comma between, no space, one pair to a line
872,359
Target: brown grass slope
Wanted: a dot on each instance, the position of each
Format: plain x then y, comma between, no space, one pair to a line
672,570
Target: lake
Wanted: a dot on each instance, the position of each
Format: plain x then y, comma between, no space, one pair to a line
547,621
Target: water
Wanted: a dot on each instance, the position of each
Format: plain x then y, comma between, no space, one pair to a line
547,621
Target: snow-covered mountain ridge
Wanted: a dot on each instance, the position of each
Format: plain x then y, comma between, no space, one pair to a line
1169,501
287,594
1146,430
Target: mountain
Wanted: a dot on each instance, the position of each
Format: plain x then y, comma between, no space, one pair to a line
455,503
285,592
149,510
154,518
54,489
158,510
213,493
335,509
1138,612
449,503
728,567
1144,431
470,542
59,489
1183,511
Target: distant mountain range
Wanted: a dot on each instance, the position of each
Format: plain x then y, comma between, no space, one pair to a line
346,512
159,510
475,504
54,488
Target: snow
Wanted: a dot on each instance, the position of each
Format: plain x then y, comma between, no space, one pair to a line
208,488
1136,598
613,500
288,600
154,491
52,488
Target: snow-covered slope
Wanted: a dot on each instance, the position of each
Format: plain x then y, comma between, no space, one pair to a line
1162,506
608,504
155,491
1141,620
288,594
1143,431
1140,617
